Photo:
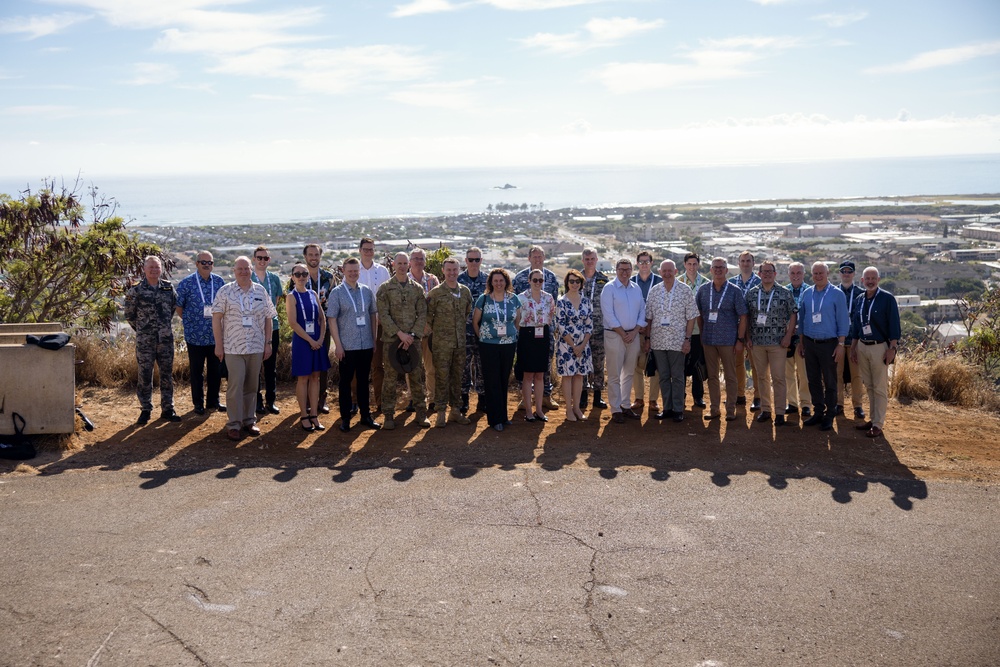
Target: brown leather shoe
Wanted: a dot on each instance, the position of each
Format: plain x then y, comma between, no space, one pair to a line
867,426
234,434
252,430
638,404
873,432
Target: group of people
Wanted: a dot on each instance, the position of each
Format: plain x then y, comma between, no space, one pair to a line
465,333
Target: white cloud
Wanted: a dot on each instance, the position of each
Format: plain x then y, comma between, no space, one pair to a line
147,74
939,58
34,27
424,7
331,71
772,2
716,60
597,33
456,95
436,6
841,20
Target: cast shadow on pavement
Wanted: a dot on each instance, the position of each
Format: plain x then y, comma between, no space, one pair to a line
844,459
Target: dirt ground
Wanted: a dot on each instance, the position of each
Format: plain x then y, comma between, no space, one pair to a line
922,441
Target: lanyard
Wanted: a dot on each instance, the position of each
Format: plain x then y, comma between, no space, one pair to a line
850,302
868,320
211,294
312,305
812,303
354,303
670,303
425,281
496,310
593,286
244,310
722,299
769,299
319,283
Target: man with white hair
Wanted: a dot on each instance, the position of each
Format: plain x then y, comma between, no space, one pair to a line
876,333
242,317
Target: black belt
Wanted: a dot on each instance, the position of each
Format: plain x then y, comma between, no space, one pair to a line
870,342
824,340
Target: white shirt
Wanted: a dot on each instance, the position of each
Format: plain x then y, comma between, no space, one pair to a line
373,277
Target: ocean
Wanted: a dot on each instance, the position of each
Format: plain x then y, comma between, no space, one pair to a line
283,197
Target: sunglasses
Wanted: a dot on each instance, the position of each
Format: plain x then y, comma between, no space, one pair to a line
643,261
300,274
205,262
575,281
847,270
263,258
474,260
538,280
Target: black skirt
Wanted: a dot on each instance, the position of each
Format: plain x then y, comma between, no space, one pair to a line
532,353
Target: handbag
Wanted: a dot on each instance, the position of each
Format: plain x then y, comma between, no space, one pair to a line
17,447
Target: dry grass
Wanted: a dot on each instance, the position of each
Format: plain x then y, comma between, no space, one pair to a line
947,379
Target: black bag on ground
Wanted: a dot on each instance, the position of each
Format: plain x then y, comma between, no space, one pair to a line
17,447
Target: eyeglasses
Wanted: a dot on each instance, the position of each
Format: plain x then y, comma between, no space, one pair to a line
474,260
300,274
263,258
367,249
418,259
206,262
538,280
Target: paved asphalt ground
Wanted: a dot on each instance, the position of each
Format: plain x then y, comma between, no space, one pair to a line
495,567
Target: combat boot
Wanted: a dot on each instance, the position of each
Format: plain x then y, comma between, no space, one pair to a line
421,419
458,418
442,420
388,423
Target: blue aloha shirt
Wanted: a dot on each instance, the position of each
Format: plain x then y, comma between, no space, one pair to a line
197,327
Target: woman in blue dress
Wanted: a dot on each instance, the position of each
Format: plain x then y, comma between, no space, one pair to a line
574,326
310,356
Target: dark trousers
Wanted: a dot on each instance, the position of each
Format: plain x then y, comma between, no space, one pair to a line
696,362
498,360
200,357
269,380
324,376
356,366
821,369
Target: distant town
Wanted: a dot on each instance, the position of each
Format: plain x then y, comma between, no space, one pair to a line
933,252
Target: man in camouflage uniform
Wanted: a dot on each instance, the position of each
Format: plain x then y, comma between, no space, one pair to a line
472,376
149,308
448,308
402,309
593,284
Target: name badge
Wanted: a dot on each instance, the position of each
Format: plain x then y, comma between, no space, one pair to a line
539,332
247,321
501,329
866,330
817,318
207,311
713,316
665,322
762,318
362,321
310,327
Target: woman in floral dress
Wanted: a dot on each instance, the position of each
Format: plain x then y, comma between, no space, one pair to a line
574,326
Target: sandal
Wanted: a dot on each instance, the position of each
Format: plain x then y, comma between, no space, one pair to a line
303,421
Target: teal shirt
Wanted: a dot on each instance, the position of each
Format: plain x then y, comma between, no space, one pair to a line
274,290
495,314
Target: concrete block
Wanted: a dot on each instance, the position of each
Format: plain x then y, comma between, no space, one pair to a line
36,383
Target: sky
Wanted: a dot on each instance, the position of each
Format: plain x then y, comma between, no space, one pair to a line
113,87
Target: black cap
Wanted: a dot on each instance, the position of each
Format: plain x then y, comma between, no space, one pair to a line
847,264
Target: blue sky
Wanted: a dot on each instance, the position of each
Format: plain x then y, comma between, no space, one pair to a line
108,87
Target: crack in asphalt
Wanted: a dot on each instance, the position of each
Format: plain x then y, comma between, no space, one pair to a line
174,635
377,593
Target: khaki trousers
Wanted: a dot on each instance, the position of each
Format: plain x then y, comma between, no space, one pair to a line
639,381
874,374
857,390
714,355
769,362
796,382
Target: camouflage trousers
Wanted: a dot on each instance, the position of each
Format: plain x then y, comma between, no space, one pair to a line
472,375
596,379
390,383
449,364
159,350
